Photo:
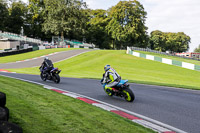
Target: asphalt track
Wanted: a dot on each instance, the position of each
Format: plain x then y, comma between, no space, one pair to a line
37,62
179,108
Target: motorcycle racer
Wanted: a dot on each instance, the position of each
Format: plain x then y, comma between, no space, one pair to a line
48,64
111,77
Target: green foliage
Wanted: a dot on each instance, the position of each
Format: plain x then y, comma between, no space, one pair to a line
120,26
15,21
3,15
98,20
64,17
34,19
157,40
197,50
127,25
167,41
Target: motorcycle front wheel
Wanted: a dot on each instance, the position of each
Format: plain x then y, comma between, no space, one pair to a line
128,95
56,78
42,76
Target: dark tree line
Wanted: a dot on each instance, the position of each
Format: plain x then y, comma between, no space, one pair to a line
120,26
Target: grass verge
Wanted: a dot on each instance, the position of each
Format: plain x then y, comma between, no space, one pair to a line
32,54
38,110
135,69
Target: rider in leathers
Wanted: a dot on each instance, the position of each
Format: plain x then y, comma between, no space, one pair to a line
48,64
111,77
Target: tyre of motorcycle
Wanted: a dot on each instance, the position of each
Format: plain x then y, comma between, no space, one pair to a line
43,76
7,112
8,127
2,99
128,95
3,114
56,78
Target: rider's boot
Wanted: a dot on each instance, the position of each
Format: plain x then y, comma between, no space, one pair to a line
109,91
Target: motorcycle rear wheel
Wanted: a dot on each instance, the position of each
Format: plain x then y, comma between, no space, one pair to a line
129,95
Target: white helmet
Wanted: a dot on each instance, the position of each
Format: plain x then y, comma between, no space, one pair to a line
107,67
46,58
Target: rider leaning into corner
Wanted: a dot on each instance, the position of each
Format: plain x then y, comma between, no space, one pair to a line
111,77
48,64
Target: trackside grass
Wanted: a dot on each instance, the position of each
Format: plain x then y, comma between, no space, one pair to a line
32,54
171,57
38,110
135,69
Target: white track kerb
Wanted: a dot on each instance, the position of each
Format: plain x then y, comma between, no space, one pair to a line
134,117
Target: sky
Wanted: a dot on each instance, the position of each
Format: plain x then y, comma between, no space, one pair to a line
166,16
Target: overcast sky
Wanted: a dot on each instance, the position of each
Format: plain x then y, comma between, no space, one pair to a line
166,16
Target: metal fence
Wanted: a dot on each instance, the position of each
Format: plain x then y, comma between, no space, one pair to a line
18,37
163,53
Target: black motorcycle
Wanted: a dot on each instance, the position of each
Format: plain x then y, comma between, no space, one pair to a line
122,90
52,75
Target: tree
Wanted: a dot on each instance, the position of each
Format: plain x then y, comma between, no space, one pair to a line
127,25
167,41
3,15
16,17
181,42
197,50
34,19
64,17
157,40
97,34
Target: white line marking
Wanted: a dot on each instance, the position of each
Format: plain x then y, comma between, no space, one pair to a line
105,107
151,125
71,95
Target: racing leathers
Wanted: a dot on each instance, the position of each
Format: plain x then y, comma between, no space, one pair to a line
112,78
48,65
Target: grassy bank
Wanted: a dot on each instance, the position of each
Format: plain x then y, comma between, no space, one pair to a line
138,70
38,110
171,57
29,55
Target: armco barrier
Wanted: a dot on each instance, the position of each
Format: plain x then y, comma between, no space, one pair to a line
164,60
15,52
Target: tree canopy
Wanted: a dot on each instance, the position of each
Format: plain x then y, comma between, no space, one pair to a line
120,26
96,28
127,24
167,41
64,17
197,50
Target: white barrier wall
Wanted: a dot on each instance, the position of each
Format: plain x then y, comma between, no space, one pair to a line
76,46
150,57
188,65
41,47
136,54
167,61
164,60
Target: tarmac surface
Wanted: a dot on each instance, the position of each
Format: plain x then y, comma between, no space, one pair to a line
176,107
37,61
